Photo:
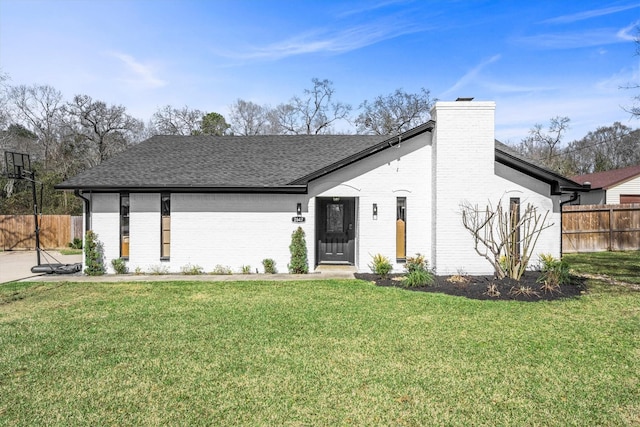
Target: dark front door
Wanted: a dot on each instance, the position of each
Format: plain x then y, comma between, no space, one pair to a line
336,230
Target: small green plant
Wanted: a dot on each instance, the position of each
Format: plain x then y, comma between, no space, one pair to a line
137,271
158,270
299,263
119,266
269,266
555,273
245,269
76,244
418,273
93,255
191,270
380,265
221,270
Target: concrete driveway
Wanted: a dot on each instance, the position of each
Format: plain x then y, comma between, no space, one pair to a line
16,265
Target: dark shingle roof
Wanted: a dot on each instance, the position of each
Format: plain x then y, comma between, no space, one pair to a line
198,162
610,178
264,163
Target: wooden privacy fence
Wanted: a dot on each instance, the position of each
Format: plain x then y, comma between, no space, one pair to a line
56,231
595,228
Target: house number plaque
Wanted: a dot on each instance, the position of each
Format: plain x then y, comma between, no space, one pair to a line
298,219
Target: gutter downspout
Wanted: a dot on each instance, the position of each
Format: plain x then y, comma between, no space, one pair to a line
87,209
573,198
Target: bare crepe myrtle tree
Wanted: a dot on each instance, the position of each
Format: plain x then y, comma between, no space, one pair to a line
504,238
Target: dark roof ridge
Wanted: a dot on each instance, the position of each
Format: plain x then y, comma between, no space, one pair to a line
387,143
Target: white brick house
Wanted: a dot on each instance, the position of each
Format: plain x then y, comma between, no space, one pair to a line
233,201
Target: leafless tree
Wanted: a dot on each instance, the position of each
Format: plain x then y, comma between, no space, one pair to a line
104,130
39,108
543,146
176,121
505,239
4,101
606,148
394,113
314,113
248,118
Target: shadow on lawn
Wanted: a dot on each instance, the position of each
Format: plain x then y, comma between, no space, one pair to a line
487,287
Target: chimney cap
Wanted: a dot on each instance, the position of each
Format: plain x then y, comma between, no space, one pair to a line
464,99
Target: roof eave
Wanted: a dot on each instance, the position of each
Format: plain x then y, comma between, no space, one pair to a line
271,189
559,184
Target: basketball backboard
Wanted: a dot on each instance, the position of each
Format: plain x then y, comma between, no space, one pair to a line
17,164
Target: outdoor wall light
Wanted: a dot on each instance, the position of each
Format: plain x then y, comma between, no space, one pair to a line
375,211
299,209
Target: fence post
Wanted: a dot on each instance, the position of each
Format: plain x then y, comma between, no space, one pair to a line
610,228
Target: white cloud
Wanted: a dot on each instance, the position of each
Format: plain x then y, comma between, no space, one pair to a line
470,76
571,40
328,41
588,14
140,74
629,33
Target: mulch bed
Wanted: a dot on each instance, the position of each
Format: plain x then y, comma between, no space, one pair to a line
481,287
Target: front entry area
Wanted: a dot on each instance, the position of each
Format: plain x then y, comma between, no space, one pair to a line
336,230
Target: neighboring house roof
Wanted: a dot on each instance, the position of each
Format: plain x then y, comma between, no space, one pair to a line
508,156
261,163
608,179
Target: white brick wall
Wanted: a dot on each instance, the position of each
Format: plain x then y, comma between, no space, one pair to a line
207,230
464,172
105,223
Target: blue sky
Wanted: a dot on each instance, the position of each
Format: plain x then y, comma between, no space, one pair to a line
535,59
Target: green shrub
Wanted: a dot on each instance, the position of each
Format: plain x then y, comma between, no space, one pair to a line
555,272
191,270
380,265
76,244
93,255
416,263
418,273
299,263
245,269
269,266
221,270
418,278
119,266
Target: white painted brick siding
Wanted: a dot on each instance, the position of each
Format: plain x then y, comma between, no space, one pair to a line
106,224
464,172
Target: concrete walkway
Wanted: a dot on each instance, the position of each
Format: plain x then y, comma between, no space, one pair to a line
16,266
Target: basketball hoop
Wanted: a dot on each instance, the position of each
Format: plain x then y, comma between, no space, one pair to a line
18,165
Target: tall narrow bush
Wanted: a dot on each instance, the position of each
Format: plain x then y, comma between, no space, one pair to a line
299,262
93,255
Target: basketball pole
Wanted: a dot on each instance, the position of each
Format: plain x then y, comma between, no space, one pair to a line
35,214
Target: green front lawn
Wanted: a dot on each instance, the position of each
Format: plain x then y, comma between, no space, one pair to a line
623,266
313,353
